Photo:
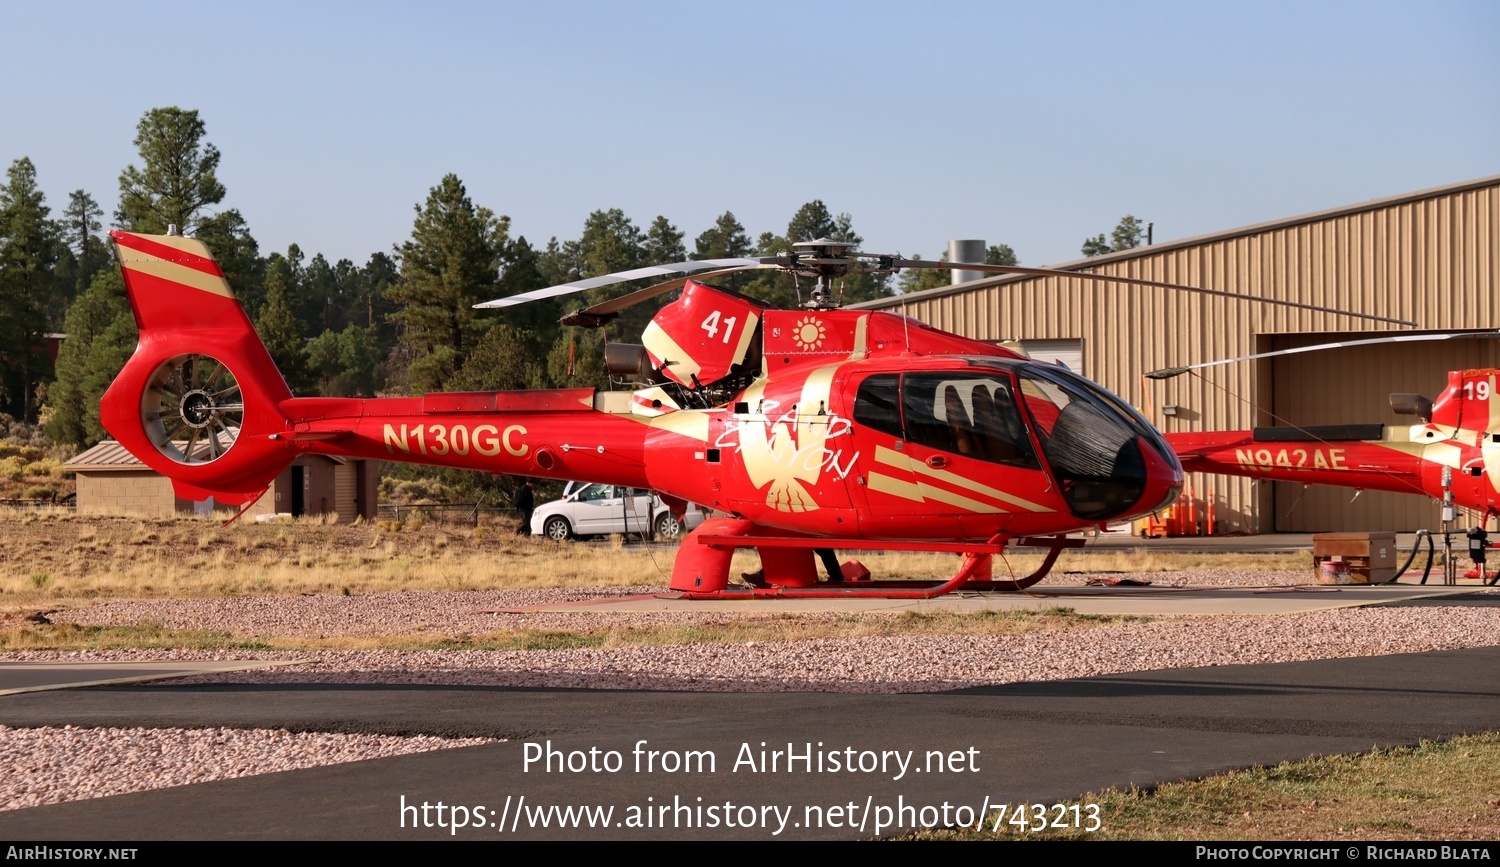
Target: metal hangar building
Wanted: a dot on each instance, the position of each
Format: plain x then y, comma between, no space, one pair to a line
1430,257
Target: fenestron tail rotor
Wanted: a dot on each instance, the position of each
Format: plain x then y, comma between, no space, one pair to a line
192,409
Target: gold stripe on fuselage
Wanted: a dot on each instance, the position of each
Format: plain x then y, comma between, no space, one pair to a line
927,494
893,458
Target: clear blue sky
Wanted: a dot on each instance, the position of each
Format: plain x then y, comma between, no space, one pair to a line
1035,124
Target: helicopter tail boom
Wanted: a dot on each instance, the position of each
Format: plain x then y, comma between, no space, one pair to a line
200,399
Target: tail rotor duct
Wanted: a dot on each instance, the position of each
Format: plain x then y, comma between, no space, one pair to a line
192,409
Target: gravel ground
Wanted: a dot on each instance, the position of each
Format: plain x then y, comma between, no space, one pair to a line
52,765
435,614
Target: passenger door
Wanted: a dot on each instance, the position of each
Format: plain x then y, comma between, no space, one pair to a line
950,456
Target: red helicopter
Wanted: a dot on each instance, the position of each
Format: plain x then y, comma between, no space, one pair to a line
812,429
1453,455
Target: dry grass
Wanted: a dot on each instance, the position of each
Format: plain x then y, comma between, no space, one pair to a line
23,635
19,634
31,473
1434,791
94,557
56,555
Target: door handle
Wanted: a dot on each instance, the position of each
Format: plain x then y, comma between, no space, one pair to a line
937,462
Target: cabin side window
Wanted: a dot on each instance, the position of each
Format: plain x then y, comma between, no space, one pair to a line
974,416
877,405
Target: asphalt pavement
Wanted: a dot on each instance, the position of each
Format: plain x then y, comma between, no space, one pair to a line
675,755
589,764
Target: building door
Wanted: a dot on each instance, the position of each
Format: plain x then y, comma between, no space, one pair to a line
299,496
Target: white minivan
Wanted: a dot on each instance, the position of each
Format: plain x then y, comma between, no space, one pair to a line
594,509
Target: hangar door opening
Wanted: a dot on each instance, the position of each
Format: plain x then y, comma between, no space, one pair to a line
1065,353
1353,386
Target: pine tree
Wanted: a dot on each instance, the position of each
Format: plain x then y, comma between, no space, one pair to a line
726,240
534,323
812,222
282,332
500,361
663,244
1000,254
28,251
1129,233
346,362
177,181
610,242
79,227
101,331
451,263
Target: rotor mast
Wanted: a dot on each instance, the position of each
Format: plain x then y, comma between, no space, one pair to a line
824,260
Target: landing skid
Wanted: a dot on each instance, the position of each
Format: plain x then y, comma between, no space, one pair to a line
701,570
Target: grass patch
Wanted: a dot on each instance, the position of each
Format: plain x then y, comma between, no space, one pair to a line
1447,790
28,635
51,555
69,636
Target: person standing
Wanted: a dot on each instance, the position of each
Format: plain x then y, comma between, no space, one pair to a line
525,503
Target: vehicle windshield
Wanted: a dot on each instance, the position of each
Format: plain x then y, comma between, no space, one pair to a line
594,492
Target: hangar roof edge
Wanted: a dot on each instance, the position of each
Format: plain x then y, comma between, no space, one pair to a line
1125,255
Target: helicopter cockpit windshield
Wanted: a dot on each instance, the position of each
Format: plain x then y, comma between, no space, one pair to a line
1092,441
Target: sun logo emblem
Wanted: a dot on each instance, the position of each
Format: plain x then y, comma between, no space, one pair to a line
809,334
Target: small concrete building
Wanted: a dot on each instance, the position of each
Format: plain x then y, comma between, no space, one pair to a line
111,481
322,485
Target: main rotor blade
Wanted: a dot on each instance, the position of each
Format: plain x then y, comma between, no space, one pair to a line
633,274
593,317
1169,372
1135,281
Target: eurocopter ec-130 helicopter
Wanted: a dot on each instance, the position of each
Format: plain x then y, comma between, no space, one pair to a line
1452,455
812,429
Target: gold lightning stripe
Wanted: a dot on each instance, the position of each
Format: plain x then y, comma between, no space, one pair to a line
1490,405
895,487
896,459
174,272
861,338
746,334
1444,454
927,494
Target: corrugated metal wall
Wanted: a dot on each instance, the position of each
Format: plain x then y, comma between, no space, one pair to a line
1430,258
